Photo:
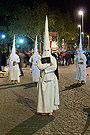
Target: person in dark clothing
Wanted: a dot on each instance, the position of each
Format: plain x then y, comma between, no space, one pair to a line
69,61
67,58
72,56
21,64
56,71
3,61
26,59
88,60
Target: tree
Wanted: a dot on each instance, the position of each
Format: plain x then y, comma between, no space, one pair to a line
27,21
65,27
31,21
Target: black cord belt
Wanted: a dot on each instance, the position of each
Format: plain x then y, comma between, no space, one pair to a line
80,62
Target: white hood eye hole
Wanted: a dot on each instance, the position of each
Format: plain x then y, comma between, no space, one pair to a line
46,50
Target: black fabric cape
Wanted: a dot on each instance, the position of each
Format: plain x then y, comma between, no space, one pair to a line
56,71
3,60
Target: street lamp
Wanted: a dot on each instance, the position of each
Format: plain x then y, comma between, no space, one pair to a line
80,30
82,33
3,36
63,44
88,40
81,13
21,40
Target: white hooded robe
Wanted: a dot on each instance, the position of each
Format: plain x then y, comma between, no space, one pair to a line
48,91
14,71
81,64
81,67
33,59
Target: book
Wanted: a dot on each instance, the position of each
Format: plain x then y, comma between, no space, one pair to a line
46,60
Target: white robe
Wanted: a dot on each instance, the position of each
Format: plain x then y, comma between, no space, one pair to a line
35,69
14,71
48,92
81,67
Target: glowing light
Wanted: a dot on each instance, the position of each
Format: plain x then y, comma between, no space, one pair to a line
79,25
21,40
17,45
80,12
3,36
82,33
83,51
75,44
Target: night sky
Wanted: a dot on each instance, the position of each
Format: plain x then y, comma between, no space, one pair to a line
72,6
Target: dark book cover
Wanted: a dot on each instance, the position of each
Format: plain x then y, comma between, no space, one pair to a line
46,60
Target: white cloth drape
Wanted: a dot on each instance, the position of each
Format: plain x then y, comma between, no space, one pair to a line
48,91
81,67
14,71
35,69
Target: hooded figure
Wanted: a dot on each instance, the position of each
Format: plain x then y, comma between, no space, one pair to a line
14,70
35,69
48,92
81,65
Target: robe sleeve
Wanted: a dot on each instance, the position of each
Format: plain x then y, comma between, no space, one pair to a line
18,60
42,66
75,58
84,60
53,67
30,60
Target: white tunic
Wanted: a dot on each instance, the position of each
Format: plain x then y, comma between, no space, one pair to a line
81,67
48,92
14,70
35,69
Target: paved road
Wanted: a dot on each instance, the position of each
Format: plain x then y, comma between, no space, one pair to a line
18,107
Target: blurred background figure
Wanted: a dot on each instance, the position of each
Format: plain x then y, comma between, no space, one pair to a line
67,58
88,60
72,57
21,64
3,61
27,57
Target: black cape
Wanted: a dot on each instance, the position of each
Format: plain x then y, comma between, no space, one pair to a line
3,60
56,71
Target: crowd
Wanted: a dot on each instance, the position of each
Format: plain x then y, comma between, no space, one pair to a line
65,58
23,55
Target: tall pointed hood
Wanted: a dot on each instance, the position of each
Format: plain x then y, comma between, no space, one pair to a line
13,48
46,49
80,45
35,48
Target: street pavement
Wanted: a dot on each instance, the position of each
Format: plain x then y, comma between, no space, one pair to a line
18,104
